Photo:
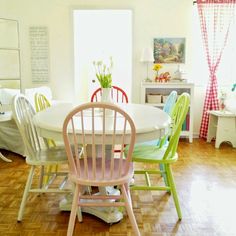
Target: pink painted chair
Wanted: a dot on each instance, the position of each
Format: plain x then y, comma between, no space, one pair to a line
99,126
117,94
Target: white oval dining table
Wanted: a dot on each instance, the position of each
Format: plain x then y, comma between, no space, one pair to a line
150,122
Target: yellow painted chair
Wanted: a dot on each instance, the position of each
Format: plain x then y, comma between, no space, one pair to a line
41,103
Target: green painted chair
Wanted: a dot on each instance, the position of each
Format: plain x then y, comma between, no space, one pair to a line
166,155
168,107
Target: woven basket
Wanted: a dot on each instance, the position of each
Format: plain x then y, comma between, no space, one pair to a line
154,98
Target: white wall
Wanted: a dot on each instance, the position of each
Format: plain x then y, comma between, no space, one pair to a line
151,18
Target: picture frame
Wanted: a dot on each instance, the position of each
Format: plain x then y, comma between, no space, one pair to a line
169,50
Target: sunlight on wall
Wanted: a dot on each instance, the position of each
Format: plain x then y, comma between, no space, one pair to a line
99,35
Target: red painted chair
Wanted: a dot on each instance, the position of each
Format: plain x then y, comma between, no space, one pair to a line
117,94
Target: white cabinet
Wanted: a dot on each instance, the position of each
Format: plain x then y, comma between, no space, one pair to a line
151,92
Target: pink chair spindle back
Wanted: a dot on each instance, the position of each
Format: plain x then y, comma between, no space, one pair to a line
98,128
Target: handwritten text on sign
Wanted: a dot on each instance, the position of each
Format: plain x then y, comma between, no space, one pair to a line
39,53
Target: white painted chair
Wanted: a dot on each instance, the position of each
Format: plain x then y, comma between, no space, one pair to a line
36,156
97,124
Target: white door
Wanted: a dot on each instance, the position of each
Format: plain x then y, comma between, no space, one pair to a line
99,35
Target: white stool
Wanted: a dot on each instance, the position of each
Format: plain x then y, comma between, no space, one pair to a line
222,127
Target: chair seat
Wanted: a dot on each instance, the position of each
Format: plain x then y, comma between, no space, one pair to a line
151,154
155,142
99,180
148,143
50,156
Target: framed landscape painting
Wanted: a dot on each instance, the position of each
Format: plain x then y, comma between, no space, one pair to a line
169,50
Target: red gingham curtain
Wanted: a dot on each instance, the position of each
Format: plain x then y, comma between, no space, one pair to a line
215,18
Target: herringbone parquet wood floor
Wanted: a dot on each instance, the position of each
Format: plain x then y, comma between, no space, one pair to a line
206,184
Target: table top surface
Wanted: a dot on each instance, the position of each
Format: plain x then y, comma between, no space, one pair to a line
222,113
150,122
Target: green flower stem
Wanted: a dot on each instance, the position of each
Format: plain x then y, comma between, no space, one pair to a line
103,73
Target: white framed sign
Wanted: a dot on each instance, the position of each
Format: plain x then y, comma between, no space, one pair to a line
39,53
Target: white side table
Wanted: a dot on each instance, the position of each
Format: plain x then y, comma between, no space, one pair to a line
222,127
5,117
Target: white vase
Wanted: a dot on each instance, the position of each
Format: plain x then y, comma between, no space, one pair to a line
106,95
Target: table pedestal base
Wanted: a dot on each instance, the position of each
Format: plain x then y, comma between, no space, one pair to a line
108,214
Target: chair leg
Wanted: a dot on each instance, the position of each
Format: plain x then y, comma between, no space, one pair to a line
73,212
46,178
130,210
128,193
173,190
79,210
25,194
41,177
162,168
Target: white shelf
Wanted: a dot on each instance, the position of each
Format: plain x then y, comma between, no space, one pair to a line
165,89
185,133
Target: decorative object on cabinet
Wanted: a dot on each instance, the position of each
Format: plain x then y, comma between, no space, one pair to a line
164,89
164,77
169,50
147,57
179,75
156,67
